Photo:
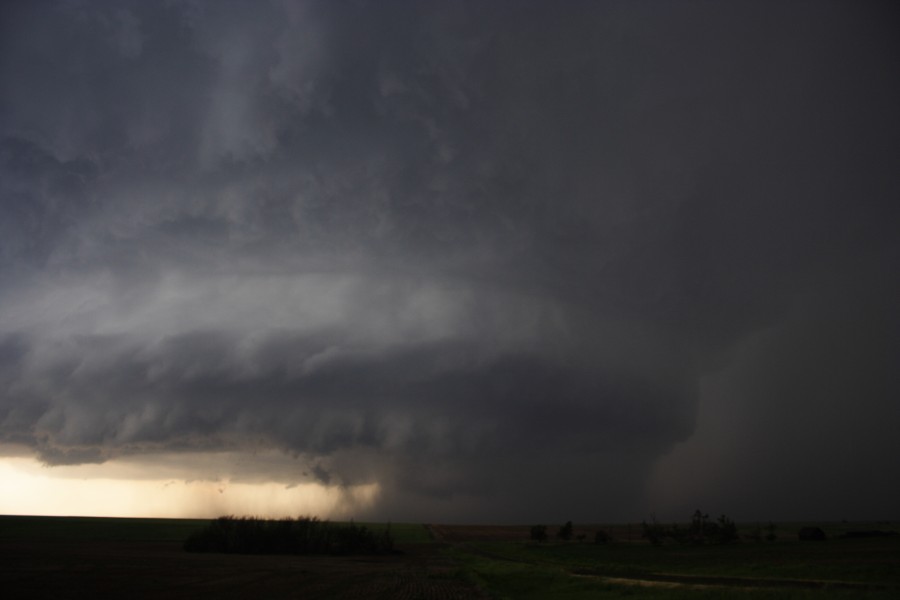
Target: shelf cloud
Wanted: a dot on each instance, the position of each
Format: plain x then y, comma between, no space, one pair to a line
507,260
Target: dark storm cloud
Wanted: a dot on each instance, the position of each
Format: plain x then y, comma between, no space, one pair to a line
457,248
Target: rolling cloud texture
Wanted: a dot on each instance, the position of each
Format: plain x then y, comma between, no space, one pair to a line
498,256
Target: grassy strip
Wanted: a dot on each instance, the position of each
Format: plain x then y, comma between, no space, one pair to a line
403,533
505,578
860,561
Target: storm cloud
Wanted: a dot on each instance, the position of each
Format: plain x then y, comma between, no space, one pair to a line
509,260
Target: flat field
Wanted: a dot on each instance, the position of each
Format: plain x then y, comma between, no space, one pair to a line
50,557
504,561
44,557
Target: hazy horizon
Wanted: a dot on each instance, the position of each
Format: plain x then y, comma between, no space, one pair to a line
457,261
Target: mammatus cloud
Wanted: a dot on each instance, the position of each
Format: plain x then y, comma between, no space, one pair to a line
499,260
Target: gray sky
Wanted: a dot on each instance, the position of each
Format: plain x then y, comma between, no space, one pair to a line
513,261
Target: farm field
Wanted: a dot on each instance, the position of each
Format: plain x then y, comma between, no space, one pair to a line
143,558
784,568
53,557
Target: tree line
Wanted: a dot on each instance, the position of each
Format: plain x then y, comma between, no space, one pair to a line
702,530
303,535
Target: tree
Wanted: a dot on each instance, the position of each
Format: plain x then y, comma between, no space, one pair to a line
565,532
701,531
699,526
539,533
726,532
653,531
722,531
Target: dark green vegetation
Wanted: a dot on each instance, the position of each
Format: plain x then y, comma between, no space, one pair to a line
305,535
701,531
565,532
614,561
138,558
539,533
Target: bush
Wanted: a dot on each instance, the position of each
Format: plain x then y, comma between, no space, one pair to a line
539,533
601,537
682,536
811,534
701,531
305,535
726,532
565,532
653,532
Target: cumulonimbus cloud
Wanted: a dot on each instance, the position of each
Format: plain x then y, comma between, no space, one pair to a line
451,248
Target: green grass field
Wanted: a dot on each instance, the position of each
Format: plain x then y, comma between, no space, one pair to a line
843,568
512,566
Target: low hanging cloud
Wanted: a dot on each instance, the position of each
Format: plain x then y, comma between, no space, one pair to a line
490,257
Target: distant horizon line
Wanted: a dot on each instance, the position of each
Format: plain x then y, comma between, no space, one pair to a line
467,524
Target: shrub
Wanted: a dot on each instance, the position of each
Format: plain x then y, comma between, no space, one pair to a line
565,532
653,532
601,537
811,534
304,535
726,532
682,536
701,531
539,533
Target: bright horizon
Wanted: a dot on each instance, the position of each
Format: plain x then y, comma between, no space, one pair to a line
29,488
124,489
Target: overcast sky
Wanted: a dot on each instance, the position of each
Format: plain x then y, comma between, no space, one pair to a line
511,261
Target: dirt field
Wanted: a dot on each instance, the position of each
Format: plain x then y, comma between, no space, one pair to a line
134,569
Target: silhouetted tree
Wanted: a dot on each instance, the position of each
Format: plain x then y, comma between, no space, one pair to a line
701,530
539,533
304,535
565,532
726,532
653,531
699,527
682,536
